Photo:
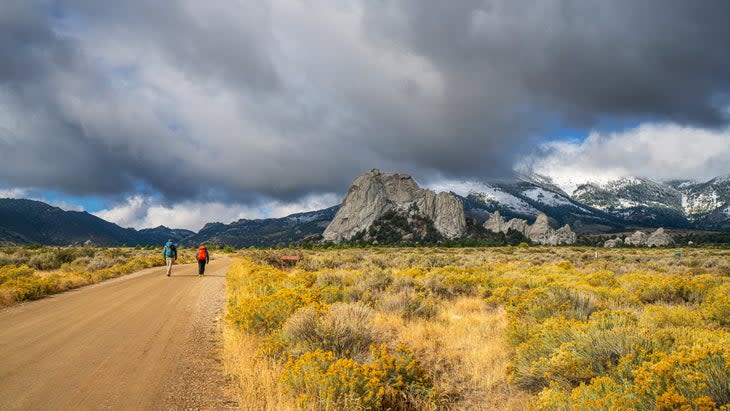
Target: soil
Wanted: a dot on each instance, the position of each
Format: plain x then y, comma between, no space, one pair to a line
143,341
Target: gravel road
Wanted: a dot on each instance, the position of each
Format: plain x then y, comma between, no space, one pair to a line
141,342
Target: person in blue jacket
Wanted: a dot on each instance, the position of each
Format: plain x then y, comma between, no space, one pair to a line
170,254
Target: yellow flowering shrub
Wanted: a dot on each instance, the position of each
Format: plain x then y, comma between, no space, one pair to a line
693,374
716,307
31,274
625,329
321,380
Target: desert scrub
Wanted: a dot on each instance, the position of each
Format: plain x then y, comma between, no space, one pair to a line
390,381
344,329
28,274
497,328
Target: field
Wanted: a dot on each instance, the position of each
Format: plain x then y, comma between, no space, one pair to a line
28,273
497,328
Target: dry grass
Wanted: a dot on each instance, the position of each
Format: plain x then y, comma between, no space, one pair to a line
256,379
466,353
27,274
481,329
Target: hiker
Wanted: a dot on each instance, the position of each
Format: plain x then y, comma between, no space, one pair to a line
203,259
170,254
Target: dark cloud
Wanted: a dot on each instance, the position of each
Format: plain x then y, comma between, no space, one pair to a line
234,101
582,59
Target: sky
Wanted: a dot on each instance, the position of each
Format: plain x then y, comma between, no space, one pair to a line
185,112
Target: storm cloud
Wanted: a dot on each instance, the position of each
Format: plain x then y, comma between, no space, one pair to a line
239,101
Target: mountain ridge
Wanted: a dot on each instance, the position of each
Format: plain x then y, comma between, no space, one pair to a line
608,206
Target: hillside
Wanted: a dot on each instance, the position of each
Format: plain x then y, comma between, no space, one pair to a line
28,221
265,232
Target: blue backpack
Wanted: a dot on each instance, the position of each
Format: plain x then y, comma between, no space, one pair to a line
170,250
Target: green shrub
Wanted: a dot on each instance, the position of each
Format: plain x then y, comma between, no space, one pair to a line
345,329
409,304
45,261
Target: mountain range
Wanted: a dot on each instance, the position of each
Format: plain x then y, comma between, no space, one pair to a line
590,207
29,222
612,205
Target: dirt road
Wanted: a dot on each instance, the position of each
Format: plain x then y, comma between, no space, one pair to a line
141,342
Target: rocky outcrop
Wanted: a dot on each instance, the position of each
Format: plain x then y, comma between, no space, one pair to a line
659,238
614,242
539,232
563,235
637,239
495,223
517,224
374,193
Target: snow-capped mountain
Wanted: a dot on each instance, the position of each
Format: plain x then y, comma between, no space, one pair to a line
610,203
627,193
527,197
494,197
699,199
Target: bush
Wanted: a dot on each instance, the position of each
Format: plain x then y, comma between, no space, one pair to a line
345,329
45,261
18,283
716,307
661,316
633,329
265,314
687,377
8,273
389,382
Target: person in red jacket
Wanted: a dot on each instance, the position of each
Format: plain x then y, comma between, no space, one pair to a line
203,259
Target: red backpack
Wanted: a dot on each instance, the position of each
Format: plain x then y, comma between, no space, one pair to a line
202,253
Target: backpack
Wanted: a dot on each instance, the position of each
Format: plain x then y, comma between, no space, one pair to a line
202,253
170,250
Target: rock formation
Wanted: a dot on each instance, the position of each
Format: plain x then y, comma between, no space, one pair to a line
637,239
563,235
614,242
495,223
517,224
539,232
374,193
659,239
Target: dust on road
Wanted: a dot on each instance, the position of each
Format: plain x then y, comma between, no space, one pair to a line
143,341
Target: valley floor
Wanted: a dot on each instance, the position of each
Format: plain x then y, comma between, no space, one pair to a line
497,328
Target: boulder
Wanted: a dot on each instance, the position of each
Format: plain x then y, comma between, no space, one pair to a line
659,238
638,239
374,193
613,243
563,235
